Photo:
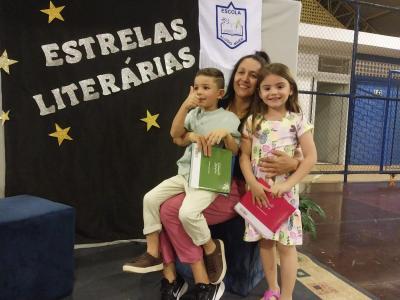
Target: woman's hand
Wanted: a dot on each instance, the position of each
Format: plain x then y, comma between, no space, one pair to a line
278,189
191,100
278,164
215,137
258,192
201,142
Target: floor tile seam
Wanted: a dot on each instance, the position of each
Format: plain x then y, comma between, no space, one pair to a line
104,244
374,220
378,283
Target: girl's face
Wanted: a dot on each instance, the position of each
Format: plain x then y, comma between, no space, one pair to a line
275,91
245,80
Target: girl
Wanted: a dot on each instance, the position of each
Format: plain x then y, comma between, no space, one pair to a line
276,123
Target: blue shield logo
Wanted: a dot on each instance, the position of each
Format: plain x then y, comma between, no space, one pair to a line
231,25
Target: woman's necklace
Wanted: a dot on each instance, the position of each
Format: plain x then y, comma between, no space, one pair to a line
235,110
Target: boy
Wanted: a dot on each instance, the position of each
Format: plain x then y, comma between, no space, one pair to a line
205,123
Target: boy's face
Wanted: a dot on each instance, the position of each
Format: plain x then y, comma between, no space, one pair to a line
207,92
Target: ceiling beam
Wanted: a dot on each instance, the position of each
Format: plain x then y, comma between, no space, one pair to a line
350,21
345,14
338,5
377,15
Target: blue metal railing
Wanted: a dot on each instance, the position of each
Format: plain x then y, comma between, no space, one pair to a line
389,132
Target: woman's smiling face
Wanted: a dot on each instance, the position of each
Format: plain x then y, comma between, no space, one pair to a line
245,79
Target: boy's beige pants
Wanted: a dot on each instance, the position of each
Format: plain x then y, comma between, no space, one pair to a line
190,213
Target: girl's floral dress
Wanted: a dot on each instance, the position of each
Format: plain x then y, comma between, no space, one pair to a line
280,135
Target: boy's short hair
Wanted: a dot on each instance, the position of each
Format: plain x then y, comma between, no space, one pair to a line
214,73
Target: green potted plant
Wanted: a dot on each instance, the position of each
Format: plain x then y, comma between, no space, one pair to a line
308,209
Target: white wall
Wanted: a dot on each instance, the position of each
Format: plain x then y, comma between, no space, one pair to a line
307,68
337,38
332,133
280,31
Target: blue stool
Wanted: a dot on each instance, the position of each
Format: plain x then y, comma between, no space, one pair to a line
36,249
244,269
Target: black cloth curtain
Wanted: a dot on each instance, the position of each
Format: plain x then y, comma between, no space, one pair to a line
97,72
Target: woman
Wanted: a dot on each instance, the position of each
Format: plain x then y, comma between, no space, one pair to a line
173,239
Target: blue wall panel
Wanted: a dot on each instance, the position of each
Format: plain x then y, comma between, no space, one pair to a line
368,125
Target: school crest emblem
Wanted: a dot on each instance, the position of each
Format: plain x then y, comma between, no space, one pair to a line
231,25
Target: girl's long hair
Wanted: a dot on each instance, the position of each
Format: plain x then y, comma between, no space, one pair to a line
259,108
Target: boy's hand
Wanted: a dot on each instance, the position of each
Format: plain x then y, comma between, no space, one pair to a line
191,100
216,136
259,196
278,189
201,142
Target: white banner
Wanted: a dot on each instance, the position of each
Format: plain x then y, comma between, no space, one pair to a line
229,29
280,31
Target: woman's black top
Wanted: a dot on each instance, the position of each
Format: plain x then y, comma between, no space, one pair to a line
237,172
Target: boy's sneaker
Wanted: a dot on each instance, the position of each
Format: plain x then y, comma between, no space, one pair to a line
175,290
144,263
206,292
216,263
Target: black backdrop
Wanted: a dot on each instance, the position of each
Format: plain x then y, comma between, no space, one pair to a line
112,160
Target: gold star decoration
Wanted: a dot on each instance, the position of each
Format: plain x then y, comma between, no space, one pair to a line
53,12
150,120
61,134
4,117
5,62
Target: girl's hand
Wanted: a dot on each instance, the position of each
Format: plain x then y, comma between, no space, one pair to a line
278,189
191,100
201,142
216,136
259,196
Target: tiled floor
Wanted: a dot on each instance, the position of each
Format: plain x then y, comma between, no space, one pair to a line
360,238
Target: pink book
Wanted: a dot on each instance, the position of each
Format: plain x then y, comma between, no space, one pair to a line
266,220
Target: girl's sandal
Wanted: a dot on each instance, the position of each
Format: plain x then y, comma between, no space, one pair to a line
270,293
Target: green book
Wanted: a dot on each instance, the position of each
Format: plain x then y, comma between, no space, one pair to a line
211,173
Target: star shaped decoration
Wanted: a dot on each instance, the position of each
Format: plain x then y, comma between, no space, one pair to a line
4,117
5,62
53,12
61,134
150,120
